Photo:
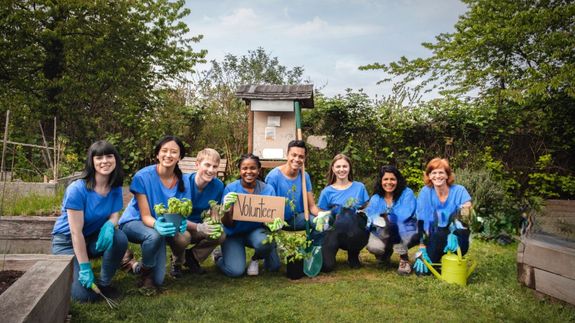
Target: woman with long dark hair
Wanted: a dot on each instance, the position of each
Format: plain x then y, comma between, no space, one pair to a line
153,185
392,221
87,226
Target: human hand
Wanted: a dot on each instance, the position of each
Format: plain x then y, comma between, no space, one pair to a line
105,237
452,243
86,275
322,221
207,229
183,226
276,225
164,228
229,200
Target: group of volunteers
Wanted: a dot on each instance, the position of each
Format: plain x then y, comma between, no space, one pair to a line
393,219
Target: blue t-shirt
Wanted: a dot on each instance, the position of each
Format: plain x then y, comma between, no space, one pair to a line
284,186
148,182
97,208
331,197
401,212
428,204
200,199
245,226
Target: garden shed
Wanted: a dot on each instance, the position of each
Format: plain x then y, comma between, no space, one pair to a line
272,118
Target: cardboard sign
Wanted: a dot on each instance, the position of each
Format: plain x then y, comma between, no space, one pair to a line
258,208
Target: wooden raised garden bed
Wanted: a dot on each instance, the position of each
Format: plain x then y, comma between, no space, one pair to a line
26,234
42,293
546,256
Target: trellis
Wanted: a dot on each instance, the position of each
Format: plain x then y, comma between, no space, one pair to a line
51,154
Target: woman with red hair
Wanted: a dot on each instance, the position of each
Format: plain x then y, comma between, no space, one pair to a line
439,204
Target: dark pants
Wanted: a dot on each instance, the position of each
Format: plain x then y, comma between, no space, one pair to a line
438,240
348,234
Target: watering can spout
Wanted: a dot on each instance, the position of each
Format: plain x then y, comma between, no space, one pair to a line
430,267
471,268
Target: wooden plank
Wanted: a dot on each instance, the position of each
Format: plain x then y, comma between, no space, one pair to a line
26,227
555,285
38,246
188,165
23,262
42,294
550,254
272,163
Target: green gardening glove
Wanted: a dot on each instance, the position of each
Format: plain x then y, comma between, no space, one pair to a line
106,237
229,200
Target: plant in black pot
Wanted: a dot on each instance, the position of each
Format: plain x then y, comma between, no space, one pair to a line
291,247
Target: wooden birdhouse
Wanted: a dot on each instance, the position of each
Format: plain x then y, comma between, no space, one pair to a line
272,118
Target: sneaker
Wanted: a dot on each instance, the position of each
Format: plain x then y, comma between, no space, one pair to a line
176,271
253,268
217,254
404,267
192,264
129,264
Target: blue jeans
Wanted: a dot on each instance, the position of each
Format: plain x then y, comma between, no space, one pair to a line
111,258
233,260
297,223
153,248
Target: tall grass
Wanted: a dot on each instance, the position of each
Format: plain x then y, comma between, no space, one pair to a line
33,204
369,294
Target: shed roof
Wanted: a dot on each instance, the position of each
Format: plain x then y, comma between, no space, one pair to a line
299,92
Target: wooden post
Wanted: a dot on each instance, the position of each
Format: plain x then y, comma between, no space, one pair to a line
2,174
45,142
250,130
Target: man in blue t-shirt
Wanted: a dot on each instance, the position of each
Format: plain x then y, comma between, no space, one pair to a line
204,187
287,182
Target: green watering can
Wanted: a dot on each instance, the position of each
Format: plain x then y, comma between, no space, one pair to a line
454,267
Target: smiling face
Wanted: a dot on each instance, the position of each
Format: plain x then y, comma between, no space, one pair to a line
169,154
207,169
341,169
249,172
104,164
438,177
295,158
389,183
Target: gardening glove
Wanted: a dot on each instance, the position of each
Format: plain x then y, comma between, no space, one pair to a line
207,229
276,225
322,221
451,240
105,237
419,266
217,232
229,200
184,226
86,275
164,228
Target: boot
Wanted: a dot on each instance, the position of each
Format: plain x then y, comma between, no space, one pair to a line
146,279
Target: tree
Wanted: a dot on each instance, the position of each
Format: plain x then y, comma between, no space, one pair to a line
225,123
95,65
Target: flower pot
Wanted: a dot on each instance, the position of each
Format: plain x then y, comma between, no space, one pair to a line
175,219
294,269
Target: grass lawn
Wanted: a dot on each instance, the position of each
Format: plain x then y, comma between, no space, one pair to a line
368,294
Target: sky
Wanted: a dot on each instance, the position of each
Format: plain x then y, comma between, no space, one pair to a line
330,39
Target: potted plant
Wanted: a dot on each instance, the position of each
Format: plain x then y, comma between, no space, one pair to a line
177,210
291,247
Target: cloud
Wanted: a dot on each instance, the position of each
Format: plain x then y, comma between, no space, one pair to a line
240,17
319,28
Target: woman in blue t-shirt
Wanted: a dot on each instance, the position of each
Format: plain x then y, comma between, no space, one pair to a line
343,197
231,260
440,203
87,226
152,185
392,221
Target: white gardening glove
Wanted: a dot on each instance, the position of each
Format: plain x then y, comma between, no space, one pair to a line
207,229
229,200
322,221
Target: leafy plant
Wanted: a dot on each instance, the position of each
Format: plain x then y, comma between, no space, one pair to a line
182,207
